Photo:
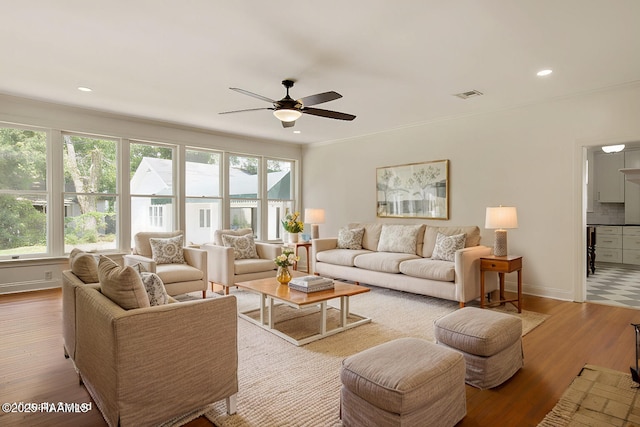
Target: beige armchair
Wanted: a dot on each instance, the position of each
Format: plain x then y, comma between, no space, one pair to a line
146,366
225,270
177,278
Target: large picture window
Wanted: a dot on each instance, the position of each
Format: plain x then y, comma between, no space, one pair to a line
152,188
203,203
23,192
279,195
90,193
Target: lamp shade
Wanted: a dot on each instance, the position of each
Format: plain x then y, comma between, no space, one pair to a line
501,217
314,216
286,115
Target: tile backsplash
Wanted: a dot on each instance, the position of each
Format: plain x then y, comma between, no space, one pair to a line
606,213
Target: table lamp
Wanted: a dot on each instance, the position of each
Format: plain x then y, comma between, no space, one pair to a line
501,218
314,217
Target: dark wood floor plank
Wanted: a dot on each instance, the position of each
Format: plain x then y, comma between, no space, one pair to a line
33,368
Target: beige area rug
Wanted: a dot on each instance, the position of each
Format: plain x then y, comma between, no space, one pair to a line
597,397
284,385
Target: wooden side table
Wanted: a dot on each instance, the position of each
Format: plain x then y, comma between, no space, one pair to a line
501,265
297,246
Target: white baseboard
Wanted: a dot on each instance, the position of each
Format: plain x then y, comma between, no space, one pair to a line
35,285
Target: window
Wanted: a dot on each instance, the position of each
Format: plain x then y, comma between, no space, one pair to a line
153,198
90,193
203,203
279,195
244,194
23,192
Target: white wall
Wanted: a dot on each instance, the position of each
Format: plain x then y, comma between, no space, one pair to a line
530,157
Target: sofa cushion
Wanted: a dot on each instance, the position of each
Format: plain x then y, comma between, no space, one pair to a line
84,265
371,235
255,265
121,285
173,273
472,237
244,247
446,246
142,244
167,251
155,289
350,238
340,256
217,235
425,268
399,238
385,262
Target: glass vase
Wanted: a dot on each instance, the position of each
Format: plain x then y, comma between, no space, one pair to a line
284,275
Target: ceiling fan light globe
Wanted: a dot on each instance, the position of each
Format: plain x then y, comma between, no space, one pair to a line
287,115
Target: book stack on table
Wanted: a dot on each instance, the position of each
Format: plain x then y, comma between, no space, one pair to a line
311,284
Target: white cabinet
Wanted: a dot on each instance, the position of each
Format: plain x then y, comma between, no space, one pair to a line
632,190
630,245
609,179
609,243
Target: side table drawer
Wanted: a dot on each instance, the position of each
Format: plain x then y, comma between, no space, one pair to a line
501,265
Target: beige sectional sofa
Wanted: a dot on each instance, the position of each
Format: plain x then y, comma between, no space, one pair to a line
404,257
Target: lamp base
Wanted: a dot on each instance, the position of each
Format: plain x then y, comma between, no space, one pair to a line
500,245
315,231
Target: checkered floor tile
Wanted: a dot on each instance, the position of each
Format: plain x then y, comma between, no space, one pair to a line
614,284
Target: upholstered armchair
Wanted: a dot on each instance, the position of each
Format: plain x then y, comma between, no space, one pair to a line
145,366
226,266
178,278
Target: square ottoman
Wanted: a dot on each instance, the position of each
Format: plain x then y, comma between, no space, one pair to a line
405,382
491,343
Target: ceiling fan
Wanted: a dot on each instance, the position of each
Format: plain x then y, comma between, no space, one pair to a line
288,110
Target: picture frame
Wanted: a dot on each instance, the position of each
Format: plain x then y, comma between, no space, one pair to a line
415,190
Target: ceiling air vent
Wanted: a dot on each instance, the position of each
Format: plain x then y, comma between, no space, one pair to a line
468,94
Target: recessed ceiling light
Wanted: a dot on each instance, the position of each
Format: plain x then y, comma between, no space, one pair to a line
296,131
85,89
543,73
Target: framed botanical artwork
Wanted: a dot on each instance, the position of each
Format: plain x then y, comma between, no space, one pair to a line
416,190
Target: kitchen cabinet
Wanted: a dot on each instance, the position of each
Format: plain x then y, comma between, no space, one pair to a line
632,189
609,243
631,245
609,180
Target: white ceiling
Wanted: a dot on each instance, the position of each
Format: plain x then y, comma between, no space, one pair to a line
397,63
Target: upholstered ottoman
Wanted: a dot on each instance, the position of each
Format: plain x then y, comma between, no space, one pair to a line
405,382
491,343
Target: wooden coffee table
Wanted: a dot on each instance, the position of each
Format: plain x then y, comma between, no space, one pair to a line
270,291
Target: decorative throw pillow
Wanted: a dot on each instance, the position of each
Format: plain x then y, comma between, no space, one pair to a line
167,251
350,238
399,238
244,247
84,265
446,246
121,285
155,289
139,268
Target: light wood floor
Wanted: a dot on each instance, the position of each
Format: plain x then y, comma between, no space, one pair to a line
33,368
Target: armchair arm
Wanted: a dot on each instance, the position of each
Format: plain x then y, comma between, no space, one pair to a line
148,263
467,271
220,264
119,353
268,250
197,258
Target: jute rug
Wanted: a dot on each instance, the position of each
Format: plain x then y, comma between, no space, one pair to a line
597,397
284,385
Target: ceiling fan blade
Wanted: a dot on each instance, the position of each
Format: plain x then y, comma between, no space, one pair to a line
249,109
288,124
328,114
319,98
255,95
